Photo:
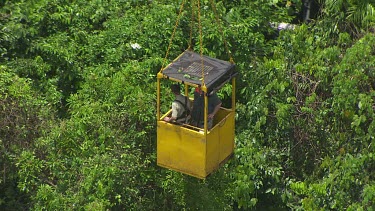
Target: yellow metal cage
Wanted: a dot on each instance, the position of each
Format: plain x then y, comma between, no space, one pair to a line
190,150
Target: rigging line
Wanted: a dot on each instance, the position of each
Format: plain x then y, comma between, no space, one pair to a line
200,40
221,31
192,24
173,33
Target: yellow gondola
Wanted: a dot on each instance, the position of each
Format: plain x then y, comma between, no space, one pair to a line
185,148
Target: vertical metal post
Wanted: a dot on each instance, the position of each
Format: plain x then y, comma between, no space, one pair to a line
234,94
158,100
205,92
205,113
234,106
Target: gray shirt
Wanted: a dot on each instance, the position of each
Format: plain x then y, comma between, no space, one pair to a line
178,109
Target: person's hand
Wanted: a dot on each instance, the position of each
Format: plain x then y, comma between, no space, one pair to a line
210,116
167,119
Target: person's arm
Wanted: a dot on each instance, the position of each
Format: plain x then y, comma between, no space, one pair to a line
216,109
174,114
215,101
169,119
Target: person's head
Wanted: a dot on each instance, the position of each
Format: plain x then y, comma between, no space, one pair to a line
175,89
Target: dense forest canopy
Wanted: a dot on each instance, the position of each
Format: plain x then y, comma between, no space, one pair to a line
78,108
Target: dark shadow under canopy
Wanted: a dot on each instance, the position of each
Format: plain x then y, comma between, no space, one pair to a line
188,68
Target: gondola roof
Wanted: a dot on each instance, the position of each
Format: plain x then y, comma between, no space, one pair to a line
188,68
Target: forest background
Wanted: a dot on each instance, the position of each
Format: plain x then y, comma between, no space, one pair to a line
78,105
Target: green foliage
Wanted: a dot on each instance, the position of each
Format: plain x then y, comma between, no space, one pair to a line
258,175
312,101
350,16
77,106
345,179
24,116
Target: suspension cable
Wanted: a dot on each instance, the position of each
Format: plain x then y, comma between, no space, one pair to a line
200,40
173,33
191,24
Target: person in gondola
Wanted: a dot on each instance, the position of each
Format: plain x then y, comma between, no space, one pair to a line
197,113
181,106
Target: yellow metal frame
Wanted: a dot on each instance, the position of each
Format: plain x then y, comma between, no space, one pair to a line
191,151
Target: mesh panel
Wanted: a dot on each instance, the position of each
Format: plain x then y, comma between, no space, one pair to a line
188,67
195,69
